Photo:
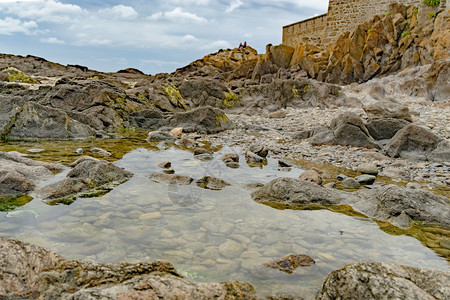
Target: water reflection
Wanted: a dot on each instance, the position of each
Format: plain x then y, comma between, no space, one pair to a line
210,235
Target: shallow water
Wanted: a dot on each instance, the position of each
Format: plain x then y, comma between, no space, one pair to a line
210,235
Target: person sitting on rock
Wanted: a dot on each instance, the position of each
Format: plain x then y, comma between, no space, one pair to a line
240,46
245,45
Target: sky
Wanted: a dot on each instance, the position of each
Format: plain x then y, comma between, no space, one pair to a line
153,36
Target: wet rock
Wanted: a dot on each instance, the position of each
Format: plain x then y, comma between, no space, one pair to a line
184,142
200,151
253,158
28,270
412,142
176,132
284,164
366,179
368,168
87,174
230,157
311,176
382,280
211,183
259,150
79,151
350,183
293,191
101,152
159,136
164,164
341,177
289,263
169,171
171,178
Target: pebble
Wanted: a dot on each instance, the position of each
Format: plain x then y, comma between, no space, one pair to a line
148,216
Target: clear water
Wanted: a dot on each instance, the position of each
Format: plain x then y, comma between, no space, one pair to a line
210,235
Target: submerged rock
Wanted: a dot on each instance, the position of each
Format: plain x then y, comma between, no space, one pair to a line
385,281
289,263
28,271
171,178
211,183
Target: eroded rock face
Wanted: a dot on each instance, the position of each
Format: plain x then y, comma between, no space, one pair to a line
28,271
385,281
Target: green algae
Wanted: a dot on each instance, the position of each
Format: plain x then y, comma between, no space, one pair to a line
230,100
17,75
10,203
175,97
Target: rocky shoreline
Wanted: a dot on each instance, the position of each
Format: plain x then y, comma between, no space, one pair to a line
371,104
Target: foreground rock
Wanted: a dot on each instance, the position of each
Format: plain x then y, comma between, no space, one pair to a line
28,271
89,175
390,203
385,281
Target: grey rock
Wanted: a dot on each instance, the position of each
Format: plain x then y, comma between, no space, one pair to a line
384,129
149,119
101,152
349,129
350,183
164,164
330,185
311,176
253,158
368,168
385,281
289,263
412,142
159,136
441,153
204,119
341,177
366,179
388,109
212,183
230,157
259,150
284,164
199,151
171,178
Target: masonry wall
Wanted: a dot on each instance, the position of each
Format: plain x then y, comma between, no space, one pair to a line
342,16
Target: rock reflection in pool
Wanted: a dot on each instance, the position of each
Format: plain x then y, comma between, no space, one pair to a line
211,235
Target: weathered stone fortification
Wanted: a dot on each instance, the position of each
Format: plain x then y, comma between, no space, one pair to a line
342,16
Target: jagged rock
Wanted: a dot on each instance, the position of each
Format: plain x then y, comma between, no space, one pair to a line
259,150
27,270
171,178
349,129
251,157
380,280
289,263
87,174
412,142
211,183
149,119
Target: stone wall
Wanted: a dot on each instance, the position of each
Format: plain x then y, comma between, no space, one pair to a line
342,16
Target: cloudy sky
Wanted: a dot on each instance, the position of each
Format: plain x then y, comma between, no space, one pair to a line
151,35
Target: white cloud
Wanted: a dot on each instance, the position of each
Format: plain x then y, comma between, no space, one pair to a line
45,11
52,40
177,42
190,2
233,5
221,44
178,15
9,26
120,11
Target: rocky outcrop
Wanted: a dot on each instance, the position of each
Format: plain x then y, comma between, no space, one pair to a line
405,37
28,271
385,281
90,176
390,203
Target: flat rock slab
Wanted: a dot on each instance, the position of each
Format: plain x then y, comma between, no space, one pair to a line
289,263
171,178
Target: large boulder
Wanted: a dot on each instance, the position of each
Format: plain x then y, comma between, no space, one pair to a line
413,142
388,109
380,280
28,271
350,130
87,174
385,129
